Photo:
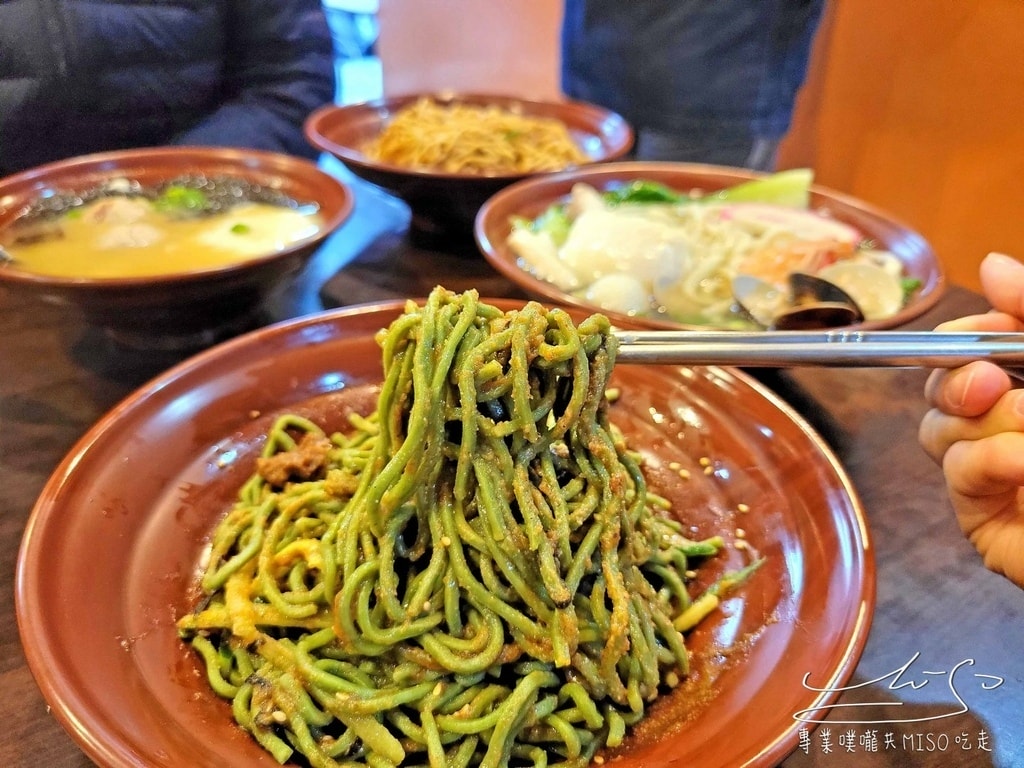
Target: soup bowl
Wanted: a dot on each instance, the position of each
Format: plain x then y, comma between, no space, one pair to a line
190,307
530,198
445,203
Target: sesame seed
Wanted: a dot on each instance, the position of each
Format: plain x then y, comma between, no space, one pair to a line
690,574
704,461
445,541
684,473
740,533
741,544
709,470
675,466
278,716
742,508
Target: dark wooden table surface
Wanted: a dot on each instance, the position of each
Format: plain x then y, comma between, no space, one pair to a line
941,679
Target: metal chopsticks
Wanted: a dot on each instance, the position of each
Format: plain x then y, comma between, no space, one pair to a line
839,348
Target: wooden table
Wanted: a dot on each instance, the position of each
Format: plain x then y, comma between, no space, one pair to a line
938,609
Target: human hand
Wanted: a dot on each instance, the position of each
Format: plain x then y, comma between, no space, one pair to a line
975,430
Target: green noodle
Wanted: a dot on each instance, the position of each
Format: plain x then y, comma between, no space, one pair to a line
473,575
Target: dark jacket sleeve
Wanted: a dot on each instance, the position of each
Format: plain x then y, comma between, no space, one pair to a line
279,67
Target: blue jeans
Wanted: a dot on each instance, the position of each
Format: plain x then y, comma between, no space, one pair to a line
758,154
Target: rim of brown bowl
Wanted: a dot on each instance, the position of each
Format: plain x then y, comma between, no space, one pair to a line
530,197
341,129
287,173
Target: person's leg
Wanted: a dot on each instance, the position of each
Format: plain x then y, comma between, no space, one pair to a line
763,155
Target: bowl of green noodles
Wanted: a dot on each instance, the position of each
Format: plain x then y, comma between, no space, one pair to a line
450,531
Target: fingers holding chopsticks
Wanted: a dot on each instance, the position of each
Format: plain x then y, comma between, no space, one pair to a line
1002,281
976,400
975,432
968,391
985,482
975,429
968,404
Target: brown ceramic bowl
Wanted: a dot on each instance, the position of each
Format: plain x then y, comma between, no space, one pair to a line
441,203
531,197
141,492
187,309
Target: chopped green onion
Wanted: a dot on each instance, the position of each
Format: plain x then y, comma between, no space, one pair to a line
179,199
909,285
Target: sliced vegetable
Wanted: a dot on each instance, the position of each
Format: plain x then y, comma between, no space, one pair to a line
791,188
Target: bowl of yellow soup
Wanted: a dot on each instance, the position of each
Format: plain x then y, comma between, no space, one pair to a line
166,246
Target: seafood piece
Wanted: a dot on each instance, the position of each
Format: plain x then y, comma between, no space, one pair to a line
801,241
800,224
136,235
619,292
823,314
116,211
538,252
760,300
603,242
810,302
583,197
876,290
27,231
